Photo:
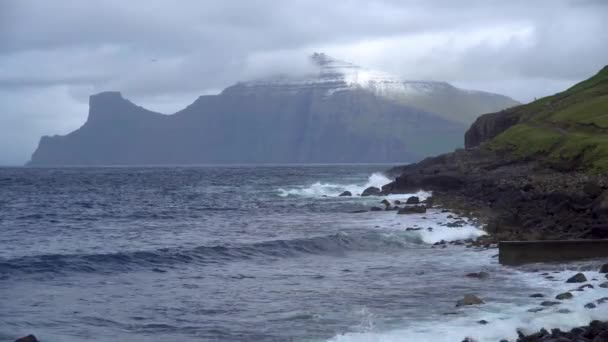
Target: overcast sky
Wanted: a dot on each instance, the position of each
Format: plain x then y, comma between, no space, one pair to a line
164,54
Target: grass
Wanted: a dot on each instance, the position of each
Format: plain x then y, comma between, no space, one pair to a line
524,141
569,128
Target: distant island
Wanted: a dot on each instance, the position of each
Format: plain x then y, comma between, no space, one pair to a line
341,114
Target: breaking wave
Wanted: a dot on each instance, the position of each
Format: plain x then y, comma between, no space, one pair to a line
320,189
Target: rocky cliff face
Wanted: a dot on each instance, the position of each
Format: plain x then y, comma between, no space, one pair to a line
342,114
536,171
488,126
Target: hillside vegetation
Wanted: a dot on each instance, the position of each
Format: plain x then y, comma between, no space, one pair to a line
568,131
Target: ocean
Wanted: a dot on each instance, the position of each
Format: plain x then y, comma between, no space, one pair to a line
253,253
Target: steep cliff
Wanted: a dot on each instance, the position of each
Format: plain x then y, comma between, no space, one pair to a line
341,114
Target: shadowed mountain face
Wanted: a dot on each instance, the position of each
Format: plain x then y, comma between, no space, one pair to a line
343,114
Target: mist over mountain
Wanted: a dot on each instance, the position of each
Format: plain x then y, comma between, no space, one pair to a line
341,113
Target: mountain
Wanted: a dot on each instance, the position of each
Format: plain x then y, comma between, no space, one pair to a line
342,113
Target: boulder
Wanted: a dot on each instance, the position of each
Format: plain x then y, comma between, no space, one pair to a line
417,209
413,200
537,295
565,295
604,285
590,306
371,191
469,300
28,338
549,303
604,268
386,203
478,275
397,202
375,209
577,278
345,193
592,189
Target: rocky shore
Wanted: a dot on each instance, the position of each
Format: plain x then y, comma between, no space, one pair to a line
517,200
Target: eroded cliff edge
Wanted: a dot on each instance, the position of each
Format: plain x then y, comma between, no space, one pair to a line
536,171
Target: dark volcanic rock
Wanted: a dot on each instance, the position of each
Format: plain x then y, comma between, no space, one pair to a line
371,191
469,300
28,338
386,203
565,295
413,200
418,209
577,278
478,275
346,193
604,268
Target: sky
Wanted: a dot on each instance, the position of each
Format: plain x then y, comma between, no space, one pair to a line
164,54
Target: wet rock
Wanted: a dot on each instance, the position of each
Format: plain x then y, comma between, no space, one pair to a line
456,224
564,311
583,287
537,295
397,202
592,189
478,275
590,306
565,295
358,211
28,338
577,278
375,209
417,209
604,285
371,191
549,303
536,309
386,203
346,193
469,300
413,200
482,322
604,268
602,300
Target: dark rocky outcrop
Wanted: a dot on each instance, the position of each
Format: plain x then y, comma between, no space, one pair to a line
345,194
28,338
371,191
565,295
532,172
417,209
469,299
412,200
577,278
596,331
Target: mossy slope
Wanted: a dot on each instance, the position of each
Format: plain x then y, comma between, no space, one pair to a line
568,130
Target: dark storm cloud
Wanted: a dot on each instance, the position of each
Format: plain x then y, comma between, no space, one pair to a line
163,54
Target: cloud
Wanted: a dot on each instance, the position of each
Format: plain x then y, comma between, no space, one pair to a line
164,54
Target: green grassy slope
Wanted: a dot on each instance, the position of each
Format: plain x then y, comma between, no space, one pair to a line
568,130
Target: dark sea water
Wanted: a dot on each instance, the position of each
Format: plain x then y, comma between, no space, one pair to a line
267,253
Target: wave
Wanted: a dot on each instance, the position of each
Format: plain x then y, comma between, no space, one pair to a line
503,320
320,189
334,244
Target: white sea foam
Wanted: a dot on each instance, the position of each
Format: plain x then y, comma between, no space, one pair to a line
503,319
319,189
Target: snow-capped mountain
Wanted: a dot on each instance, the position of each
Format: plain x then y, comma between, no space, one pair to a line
333,75
341,113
